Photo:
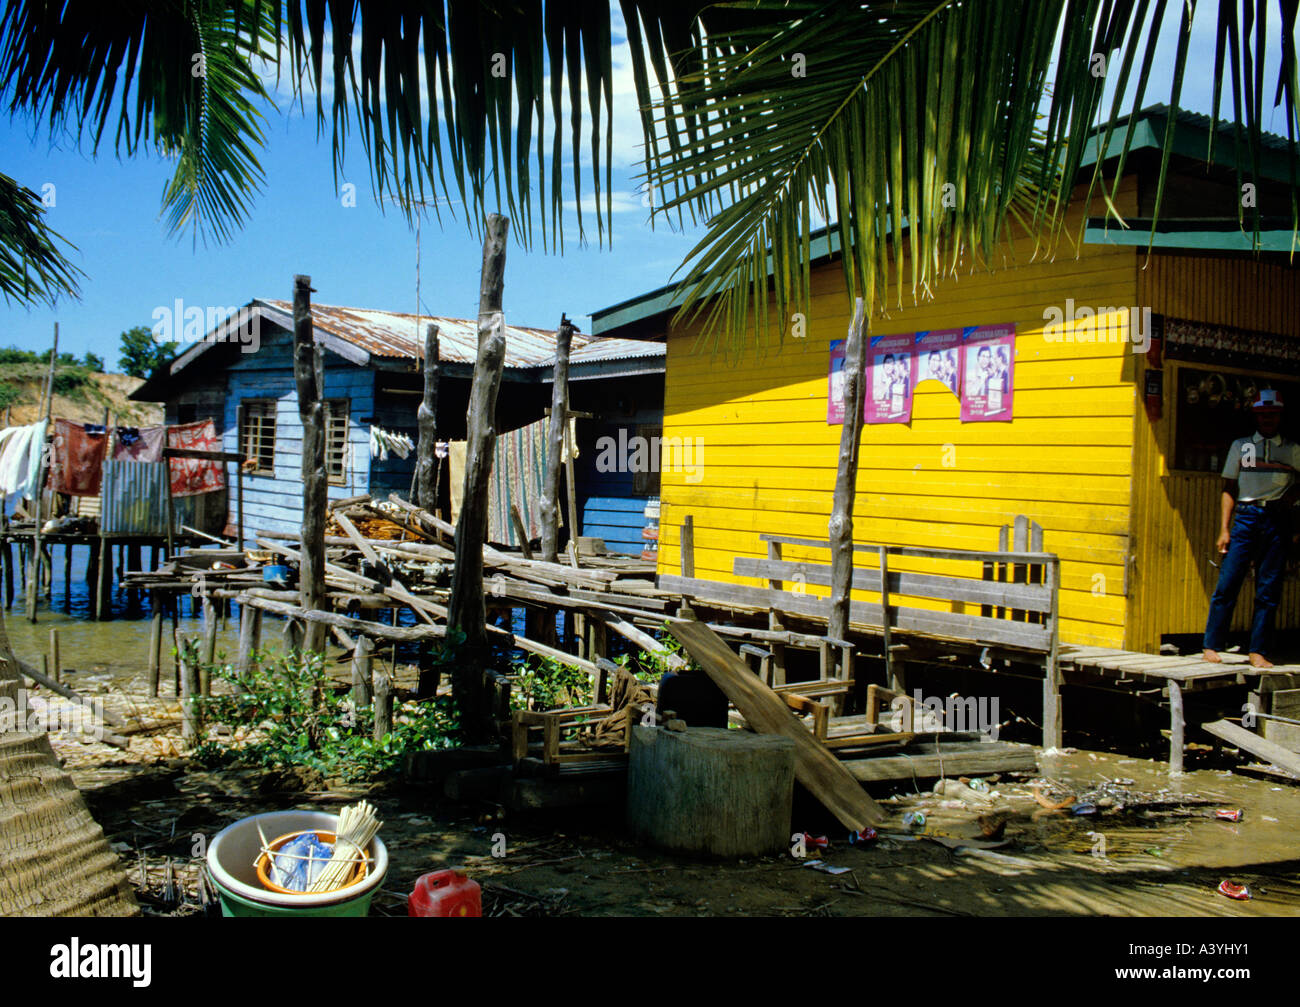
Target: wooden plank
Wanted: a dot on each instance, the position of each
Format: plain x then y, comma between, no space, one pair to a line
840,529
972,758
550,501
916,585
866,616
815,767
1269,751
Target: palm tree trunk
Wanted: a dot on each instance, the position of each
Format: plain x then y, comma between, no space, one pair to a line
54,859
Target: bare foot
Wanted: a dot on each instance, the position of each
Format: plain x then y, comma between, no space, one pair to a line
1212,656
1259,661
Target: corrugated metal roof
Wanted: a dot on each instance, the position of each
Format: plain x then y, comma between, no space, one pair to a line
397,335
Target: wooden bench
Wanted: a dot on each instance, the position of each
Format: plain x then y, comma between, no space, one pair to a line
1014,594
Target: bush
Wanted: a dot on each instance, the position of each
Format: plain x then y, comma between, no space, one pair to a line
543,683
9,394
290,714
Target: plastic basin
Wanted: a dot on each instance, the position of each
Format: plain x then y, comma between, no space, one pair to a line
232,857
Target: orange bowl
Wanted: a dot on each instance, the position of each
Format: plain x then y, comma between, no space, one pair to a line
264,862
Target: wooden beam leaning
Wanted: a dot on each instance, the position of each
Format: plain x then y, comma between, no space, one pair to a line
550,505
846,475
308,372
815,767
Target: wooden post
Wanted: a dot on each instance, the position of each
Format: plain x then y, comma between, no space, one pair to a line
550,505
8,556
67,576
34,574
155,643
466,609
383,705
308,370
521,532
362,662
1177,724
189,689
774,623
250,636
1053,728
846,477
56,665
426,456
104,590
686,553
209,643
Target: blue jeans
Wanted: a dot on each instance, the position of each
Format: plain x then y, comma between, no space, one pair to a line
1261,536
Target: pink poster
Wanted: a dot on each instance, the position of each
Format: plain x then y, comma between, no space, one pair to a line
891,373
988,355
835,384
938,358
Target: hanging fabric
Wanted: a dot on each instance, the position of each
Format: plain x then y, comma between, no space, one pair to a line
518,474
20,458
190,476
382,442
77,461
139,444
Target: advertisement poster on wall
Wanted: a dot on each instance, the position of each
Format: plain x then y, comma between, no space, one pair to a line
988,366
938,358
891,375
835,384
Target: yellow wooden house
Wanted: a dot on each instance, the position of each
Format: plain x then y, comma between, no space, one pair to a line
1124,484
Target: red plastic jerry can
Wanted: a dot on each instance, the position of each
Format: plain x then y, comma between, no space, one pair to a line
445,893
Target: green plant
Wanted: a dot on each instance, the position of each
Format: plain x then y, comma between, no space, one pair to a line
9,394
543,683
648,667
285,711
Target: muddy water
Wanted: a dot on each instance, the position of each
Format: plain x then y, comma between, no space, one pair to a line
118,647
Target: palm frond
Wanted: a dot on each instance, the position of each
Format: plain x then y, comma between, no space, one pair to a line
918,129
33,268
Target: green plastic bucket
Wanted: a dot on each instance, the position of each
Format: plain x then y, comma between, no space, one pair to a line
232,860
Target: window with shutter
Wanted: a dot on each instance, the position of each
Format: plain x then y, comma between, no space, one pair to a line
336,440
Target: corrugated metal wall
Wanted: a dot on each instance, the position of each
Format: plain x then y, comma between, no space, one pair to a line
134,498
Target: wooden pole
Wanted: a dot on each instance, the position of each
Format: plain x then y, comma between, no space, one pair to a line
189,689
8,556
383,705
846,476
34,577
426,464
361,672
308,371
209,644
155,643
550,505
466,609
56,665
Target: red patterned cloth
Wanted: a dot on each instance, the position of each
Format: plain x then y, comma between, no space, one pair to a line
78,458
189,475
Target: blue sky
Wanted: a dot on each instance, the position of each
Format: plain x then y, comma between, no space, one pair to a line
358,256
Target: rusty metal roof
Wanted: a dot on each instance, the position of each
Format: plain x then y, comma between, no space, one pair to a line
397,335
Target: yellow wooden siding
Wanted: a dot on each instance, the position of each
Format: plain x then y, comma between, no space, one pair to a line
768,455
1176,515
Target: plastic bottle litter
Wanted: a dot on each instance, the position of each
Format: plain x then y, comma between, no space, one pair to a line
916,818
1229,814
862,836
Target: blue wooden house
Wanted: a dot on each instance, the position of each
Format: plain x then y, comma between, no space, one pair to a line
241,376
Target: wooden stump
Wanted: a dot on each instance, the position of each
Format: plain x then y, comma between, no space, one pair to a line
710,790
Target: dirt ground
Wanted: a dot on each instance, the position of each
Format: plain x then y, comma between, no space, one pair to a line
1164,854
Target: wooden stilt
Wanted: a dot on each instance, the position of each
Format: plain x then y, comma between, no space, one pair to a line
209,644
846,475
56,664
1177,725
550,504
189,690
67,577
155,642
426,464
361,671
8,557
383,705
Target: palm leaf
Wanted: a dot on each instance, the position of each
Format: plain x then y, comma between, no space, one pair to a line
32,266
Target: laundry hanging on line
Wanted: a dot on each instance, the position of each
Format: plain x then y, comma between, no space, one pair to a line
139,444
384,441
77,458
20,458
191,476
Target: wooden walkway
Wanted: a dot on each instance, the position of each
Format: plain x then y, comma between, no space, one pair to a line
1173,676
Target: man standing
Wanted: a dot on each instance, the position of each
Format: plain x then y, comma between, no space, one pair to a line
1257,478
